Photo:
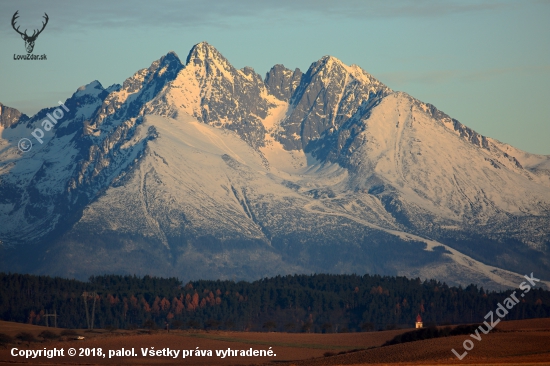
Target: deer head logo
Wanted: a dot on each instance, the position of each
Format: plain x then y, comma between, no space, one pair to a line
29,40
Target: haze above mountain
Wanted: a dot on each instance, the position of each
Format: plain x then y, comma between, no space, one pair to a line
198,170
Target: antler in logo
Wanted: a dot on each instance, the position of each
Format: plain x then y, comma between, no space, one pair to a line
29,40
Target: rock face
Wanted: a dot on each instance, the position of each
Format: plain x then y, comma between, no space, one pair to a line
10,116
329,94
282,82
210,89
200,170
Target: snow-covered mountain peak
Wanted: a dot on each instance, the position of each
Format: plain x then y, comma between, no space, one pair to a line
172,54
329,67
211,90
203,50
94,88
329,94
205,57
329,61
167,63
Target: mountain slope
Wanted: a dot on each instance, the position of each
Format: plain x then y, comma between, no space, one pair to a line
204,171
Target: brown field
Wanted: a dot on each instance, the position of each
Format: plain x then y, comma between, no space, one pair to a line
524,342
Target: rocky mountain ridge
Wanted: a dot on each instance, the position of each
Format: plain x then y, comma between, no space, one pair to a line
201,170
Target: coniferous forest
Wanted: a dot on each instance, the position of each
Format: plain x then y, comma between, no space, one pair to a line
298,303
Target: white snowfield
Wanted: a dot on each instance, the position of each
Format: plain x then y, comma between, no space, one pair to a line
184,169
165,172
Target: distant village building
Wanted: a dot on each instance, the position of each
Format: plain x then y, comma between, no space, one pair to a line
418,321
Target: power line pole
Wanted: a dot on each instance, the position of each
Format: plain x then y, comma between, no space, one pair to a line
54,318
93,310
85,296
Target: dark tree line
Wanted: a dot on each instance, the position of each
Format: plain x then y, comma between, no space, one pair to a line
306,303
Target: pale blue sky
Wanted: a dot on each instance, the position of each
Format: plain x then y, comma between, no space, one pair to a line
485,63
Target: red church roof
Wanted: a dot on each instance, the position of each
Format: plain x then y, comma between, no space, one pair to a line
418,319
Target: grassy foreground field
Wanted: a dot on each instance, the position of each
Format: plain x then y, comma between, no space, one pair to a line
525,342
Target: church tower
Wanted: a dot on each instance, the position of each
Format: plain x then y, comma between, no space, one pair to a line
418,321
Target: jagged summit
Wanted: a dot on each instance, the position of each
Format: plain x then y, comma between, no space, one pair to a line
93,88
327,96
173,54
94,84
204,52
210,89
327,66
282,82
329,61
170,60
168,63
